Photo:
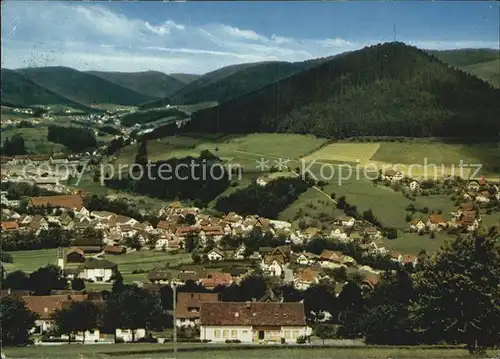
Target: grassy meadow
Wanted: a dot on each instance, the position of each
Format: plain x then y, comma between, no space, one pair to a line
198,351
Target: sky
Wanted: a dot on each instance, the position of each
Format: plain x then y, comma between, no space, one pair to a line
198,37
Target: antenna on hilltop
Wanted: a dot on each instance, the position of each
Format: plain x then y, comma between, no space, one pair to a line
394,31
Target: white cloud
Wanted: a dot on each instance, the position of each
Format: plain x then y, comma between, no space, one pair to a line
92,37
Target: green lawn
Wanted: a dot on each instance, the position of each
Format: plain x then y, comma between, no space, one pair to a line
491,220
235,148
147,259
438,153
29,261
35,139
163,351
313,208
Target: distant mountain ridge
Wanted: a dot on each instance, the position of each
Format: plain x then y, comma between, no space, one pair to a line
18,90
154,84
150,89
388,90
233,81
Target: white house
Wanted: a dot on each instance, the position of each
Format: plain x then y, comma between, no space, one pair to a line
126,334
98,270
215,255
240,252
348,221
252,322
417,225
414,186
272,265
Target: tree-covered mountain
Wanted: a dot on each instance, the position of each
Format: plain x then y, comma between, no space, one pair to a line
233,81
152,83
389,89
83,87
185,78
20,91
483,63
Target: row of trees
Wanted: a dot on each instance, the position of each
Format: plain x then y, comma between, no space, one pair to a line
13,146
267,201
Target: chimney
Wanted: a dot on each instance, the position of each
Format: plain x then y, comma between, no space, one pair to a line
248,304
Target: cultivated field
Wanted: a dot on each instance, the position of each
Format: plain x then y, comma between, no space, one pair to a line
345,152
30,261
198,351
236,149
422,154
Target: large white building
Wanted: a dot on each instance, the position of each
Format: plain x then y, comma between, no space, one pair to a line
98,270
252,322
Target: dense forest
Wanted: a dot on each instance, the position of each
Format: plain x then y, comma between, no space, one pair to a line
233,81
186,178
267,201
75,138
390,89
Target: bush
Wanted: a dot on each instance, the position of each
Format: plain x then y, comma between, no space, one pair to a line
301,339
233,341
147,339
283,341
6,257
119,341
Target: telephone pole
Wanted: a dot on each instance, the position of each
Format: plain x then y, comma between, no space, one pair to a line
174,290
394,31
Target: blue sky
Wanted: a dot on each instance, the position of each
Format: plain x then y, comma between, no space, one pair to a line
196,37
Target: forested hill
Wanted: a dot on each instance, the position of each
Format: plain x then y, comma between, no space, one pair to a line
483,63
233,81
389,89
152,83
82,87
18,90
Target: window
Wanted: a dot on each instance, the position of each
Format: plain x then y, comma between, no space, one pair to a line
225,333
217,333
234,333
287,334
295,334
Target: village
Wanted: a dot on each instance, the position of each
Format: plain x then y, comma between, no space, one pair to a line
220,254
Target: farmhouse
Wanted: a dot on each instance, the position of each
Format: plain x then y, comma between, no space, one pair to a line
188,307
115,250
215,279
273,265
252,322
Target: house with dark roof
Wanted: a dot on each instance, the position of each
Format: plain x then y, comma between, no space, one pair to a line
252,322
188,307
75,255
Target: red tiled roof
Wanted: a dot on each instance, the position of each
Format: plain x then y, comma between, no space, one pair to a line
163,225
10,226
46,305
252,313
213,279
436,219
188,304
115,249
